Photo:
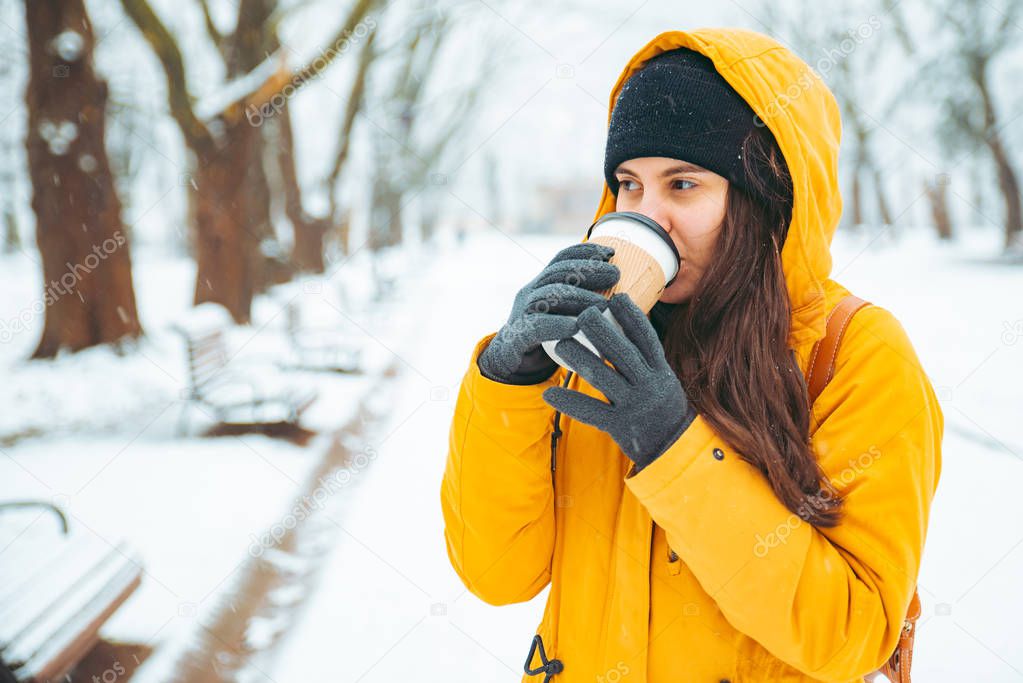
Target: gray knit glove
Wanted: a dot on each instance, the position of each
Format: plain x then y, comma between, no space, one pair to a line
545,309
647,409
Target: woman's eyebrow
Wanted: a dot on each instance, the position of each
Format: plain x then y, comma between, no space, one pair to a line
684,167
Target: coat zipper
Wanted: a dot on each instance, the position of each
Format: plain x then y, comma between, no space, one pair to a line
553,666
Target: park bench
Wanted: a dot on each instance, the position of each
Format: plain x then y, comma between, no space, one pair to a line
55,596
232,395
328,350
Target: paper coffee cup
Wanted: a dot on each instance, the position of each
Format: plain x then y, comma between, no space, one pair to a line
645,255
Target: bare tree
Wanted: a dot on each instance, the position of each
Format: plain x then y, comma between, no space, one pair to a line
225,142
982,33
311,246
937,196
88,294
395,153
310,232
815,30
407,154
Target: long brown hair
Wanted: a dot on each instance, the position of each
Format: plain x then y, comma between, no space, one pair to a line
729,343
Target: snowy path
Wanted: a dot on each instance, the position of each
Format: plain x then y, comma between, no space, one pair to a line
390,608
105,445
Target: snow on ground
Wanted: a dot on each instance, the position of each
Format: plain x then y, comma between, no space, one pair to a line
389,607
97,433
965,319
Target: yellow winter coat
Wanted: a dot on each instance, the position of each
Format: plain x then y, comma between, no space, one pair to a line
692,570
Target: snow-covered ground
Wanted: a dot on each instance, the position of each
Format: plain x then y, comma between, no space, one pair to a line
390,608
98,434
387,606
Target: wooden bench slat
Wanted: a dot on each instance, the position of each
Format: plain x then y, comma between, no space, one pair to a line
80,633
66,603
80,557
207,365
205,340
22,560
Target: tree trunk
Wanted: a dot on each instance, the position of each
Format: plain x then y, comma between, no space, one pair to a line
307,248
856,201
356,97
343,233
307,253
226,252
386,216
429,219
858,170
247,47
1009,185
88,293
12,240
1007,182
883,209
937,195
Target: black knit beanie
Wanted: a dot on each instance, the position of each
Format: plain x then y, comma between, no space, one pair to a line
678,106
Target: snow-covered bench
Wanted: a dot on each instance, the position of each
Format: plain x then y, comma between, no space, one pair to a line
232,397
320,349
55,596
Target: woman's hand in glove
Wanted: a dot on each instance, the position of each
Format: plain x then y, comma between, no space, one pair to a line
545,309
647,409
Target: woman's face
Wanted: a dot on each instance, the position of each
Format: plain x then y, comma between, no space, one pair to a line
688,201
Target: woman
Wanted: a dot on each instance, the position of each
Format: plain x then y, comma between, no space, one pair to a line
697,521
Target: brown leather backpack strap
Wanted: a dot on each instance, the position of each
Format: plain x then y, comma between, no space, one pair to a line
820,371
898,666
822,357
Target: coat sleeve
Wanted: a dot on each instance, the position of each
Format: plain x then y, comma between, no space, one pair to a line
496,494
829,602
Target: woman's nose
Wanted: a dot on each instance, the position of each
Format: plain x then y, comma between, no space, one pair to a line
656,209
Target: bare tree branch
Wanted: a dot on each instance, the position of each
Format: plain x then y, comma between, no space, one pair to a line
166,48
321,62
352,107
216,36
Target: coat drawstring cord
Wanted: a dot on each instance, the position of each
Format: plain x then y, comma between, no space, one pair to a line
557,428
549,667
554,440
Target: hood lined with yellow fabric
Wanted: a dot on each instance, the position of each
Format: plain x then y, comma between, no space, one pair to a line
802,114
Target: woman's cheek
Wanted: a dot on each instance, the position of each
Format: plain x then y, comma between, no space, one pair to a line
680,289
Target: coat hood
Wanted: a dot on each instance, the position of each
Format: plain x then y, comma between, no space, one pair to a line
803,115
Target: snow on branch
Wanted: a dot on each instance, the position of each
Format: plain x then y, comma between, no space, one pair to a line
253,89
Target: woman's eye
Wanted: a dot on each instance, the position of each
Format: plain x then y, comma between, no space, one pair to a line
625,184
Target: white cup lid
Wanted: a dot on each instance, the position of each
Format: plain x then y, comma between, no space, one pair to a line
645,233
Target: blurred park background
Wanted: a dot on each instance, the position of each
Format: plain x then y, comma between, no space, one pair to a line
246,247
